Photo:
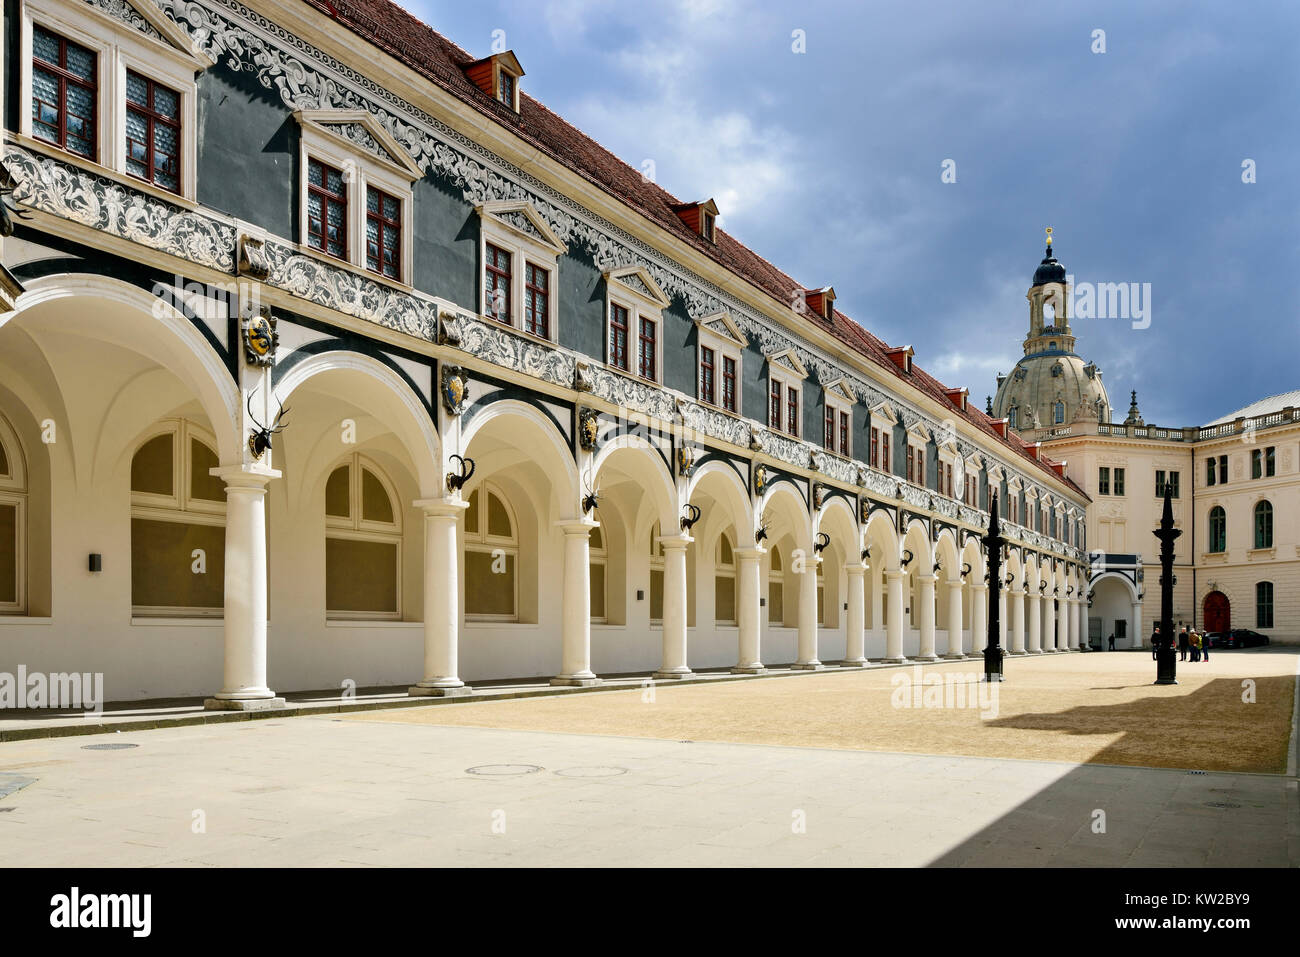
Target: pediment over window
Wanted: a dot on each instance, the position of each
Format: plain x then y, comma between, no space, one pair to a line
359,131
145,17
917,430
974,462
885,412
787,359
638,280
721,324
524,218
840,389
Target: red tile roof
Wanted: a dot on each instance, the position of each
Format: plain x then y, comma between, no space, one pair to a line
398,33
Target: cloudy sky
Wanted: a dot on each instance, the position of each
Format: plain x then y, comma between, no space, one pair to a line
830,163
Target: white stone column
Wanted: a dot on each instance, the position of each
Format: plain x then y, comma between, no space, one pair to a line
749,614
1084,637
894,625
674,664
1063,625
925,599
1139,635
1049,622
855,639
1034,612
575,647
441,600
243,685
808,618
877,602
1017,605
979,619
955,644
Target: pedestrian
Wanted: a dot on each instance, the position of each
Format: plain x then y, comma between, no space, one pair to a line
1183,644
1196,647
1205,647
1112,641
1155,641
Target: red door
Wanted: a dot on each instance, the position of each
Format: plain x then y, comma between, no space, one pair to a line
1217,612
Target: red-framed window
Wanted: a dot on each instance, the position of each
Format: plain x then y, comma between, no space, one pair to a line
327,209
707,393
910,464
153,132
729,383
537,300
792,410
619,337
920,467
647,332
844,434
774,405
383,233
64,91
884,452
496,283
874,460
829,440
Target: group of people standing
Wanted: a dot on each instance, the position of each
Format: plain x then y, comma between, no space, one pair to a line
1190,642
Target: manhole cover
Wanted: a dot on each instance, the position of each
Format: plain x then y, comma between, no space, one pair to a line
1195,772
502,770
592,772
1220,804
107,747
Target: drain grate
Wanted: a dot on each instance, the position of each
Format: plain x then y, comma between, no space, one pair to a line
503,770
1220,804
1196,772
592,772
108,747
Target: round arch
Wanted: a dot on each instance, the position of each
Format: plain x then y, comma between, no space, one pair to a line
540,442
635,460
724,485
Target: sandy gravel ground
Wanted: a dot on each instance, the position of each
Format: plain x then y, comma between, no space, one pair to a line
1099,707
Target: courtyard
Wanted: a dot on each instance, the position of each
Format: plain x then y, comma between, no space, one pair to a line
809,770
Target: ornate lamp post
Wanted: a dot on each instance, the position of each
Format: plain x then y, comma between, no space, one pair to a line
1166,658
993,542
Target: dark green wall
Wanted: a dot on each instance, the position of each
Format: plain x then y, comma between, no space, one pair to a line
581,305
445,243
247,151
679,353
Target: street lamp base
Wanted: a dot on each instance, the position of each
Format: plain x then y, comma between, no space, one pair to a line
1166,681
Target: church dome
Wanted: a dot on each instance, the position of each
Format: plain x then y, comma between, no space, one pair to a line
1051,391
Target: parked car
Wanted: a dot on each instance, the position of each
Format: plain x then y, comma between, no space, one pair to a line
1236,638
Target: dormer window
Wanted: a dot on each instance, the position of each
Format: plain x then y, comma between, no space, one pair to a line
820,302
498,77
901,356
701,218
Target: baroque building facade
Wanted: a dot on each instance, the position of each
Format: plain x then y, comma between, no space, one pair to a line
1234,485
328,355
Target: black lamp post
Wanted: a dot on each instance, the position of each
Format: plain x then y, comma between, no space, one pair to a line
993,541
1166,658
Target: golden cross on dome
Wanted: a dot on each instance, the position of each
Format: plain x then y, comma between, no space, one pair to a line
1049,235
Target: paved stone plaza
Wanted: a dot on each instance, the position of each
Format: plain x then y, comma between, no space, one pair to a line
324,790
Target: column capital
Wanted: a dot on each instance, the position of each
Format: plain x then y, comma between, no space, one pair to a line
926,579
894,574
982,586
577,526
441,506
955,584
855,569
1016,592
245,476
675,541
753,553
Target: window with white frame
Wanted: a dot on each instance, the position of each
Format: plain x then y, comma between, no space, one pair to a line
785,375
883,421
13,523
363,543
520,257
491,557
776,589
178,524
119,93
917,439
634,306
721,346
724,581
355,202
598,559
656,577
837,418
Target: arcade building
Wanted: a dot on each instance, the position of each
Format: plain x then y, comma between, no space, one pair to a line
329,355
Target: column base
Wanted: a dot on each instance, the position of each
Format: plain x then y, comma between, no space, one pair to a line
955,656
854,663
808,666
893,661
575,681
926,658
749,670
242,704
420,691
673,675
